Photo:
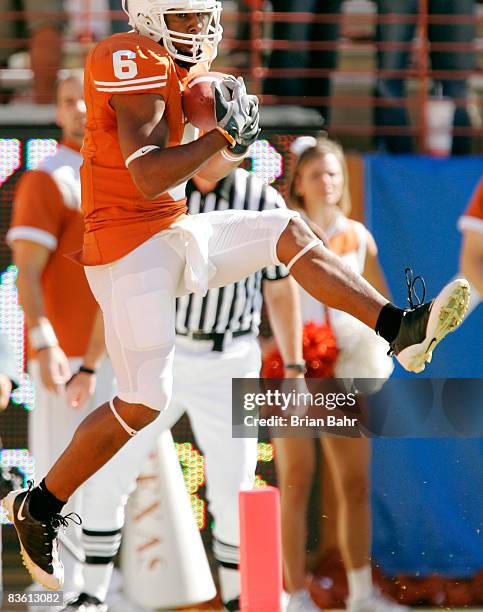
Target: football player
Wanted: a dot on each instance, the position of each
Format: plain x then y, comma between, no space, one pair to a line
141,250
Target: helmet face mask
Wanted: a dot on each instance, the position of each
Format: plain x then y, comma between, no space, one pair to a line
150,18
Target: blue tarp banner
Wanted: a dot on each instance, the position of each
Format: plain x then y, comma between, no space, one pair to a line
427,494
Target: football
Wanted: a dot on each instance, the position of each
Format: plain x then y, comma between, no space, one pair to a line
198,100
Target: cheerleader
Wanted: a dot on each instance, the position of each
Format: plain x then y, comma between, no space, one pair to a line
319,190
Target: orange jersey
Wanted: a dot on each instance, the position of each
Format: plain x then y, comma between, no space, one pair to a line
46,211
473,216
117,217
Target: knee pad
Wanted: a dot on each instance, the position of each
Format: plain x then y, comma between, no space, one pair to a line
277,220
152,393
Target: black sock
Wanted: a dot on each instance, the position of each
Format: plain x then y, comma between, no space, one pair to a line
233,604
43,505
389,322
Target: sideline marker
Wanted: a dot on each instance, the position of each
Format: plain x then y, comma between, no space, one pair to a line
260,550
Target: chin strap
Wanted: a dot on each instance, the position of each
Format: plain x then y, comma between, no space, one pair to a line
124,425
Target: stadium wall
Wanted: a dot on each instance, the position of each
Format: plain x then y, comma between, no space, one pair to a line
427,493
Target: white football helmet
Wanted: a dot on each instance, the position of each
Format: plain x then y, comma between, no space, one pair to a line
148,18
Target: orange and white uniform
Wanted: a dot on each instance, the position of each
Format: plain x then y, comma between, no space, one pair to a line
473,216
139,254
47,211
117,217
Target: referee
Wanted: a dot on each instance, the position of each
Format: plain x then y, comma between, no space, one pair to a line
216,341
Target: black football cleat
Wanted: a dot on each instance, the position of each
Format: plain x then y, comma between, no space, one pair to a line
423,326
38,540
85,603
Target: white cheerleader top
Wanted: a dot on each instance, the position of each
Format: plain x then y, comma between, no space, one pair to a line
362,354
347,238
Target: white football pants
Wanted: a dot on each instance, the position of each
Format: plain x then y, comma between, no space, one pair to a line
137,292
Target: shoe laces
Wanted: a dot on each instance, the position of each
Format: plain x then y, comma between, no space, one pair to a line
414,298
58,520
52,529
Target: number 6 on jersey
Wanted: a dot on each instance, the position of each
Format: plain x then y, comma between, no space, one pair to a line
124,66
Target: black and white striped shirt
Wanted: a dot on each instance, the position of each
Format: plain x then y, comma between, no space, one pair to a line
235,307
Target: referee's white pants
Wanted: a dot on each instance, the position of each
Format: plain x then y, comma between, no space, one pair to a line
230,463
137,292
202,388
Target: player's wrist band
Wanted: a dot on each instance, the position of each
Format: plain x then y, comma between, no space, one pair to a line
42,336
86,370
89,371
299,366
141,153
229,137
233,158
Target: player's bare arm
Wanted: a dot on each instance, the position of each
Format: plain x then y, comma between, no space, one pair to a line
283,307
96,349
31,258
472,258
220,165
82,385
372,268
141,123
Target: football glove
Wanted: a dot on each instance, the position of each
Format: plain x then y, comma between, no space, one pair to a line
251,130
237,118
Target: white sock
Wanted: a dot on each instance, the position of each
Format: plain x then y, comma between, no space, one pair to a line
229,583
96,579
100,549
360,583
73,574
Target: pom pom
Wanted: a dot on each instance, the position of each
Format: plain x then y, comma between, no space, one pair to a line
319,350
363,354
